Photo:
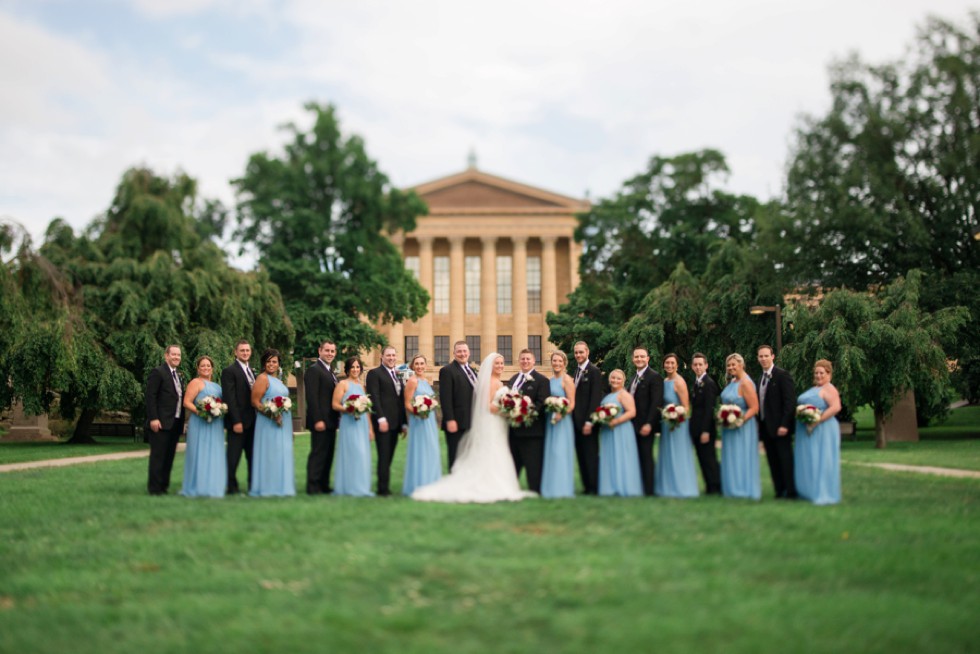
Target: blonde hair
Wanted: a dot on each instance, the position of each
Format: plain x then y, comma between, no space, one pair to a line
418,356
620,372
559,353
736,357
826,365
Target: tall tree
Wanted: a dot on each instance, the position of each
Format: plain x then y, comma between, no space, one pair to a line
316,213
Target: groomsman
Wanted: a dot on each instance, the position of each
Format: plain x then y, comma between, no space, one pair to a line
321,419
456,382
236,391
777,418
527,443
647,389
164,419
704,396
589,389
385,389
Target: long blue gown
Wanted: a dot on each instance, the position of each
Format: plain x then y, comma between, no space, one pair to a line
422,462
816,459
353,476
675,475
740,452
558,476
273,467
205,467
619,462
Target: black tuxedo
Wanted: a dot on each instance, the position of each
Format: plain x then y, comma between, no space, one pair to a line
319,383
777,408
456,401
236,392
704,397
589,389
649,398
527,443
164,403
388,403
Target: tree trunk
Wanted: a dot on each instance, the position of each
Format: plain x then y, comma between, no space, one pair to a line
81,436
880,440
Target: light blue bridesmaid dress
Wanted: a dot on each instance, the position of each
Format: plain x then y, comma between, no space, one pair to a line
422,462
353,476
816,459
740,452
558,476
273,467
205,467
619,462
675,475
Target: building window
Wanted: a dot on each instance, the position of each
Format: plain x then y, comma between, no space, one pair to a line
534,285
440,301
503,285
412,264
472,287
505,348
411,348
442,351
534,344
474,344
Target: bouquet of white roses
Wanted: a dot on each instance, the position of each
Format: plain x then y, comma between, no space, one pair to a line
605,414
517,408
809,415
358,405
558,407
210,407
675,415
730,416
276,407
423,405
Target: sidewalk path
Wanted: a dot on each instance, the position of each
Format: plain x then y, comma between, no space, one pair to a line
926,470
75,460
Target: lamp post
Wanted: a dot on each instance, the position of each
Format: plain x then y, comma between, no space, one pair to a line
759,310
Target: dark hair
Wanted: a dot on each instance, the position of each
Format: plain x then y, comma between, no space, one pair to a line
350,362
699,355
641,347
202,358
458,343
671,355
766,346
268,354
326,341
170,347
242,342
418,356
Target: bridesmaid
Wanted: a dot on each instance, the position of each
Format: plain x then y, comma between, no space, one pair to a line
740,445
619,461
353,475
205,469
675,475
273,469
422,463
558,476
817,447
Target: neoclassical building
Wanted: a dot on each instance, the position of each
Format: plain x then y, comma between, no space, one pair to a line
495,256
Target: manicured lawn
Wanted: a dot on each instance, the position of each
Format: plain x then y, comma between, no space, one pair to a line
962,423
21,452
89,563
964,454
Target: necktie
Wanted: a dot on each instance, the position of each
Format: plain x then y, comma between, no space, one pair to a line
636,382
180,393
762,395
469,374
520,381
394,379
249,376
578,377
327,366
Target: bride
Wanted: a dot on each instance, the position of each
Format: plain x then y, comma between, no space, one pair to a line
484,468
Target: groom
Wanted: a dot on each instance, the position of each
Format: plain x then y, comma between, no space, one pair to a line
527,442
456,383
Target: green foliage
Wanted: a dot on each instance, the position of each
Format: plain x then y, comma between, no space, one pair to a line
316,214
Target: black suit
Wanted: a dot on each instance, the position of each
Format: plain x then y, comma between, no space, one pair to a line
649,398
456,401
319,382
589,389
704,397
388,402
777,408
527,443
236,392
163,403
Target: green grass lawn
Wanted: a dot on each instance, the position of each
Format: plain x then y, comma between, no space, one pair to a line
90,563
22,452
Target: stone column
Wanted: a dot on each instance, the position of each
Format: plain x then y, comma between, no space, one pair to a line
488,296
574,252
426,341
457,290
549,284
28,428
519,294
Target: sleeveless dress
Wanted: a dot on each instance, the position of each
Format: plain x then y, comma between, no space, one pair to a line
817,455
619,461
675,475
558,476
205,468
740,452
273,466
422,463
353,474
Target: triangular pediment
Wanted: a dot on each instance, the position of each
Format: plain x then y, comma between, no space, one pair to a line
476,190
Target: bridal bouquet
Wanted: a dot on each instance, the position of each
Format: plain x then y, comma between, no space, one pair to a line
423,405
558,408
358,405
675,415
517,408
809,415
210,407
604,414
277,406
730,416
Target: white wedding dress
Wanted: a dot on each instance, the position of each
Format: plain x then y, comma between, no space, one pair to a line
484,468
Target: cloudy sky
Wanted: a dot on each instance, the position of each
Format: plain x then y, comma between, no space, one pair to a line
572,96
